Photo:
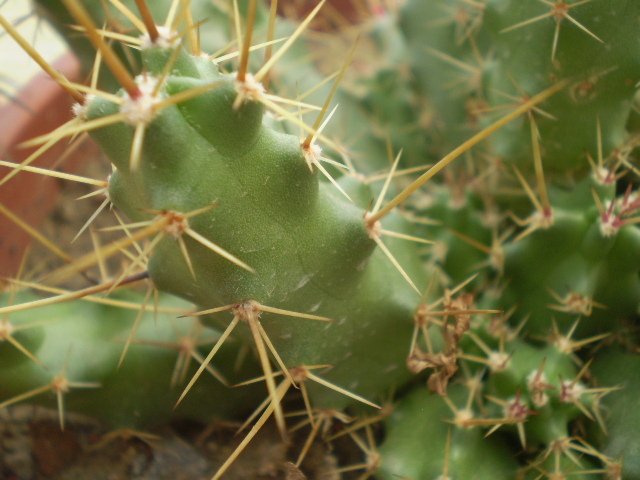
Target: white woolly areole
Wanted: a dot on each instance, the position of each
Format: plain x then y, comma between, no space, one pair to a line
6,329
165,39
463,416
374,230
498,361
608,227
80,110
140,110
312,154
249,89
537,383
571,392
604,176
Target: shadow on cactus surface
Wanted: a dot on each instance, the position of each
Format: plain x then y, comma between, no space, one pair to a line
412,237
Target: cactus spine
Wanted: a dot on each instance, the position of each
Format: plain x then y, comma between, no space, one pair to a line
240,220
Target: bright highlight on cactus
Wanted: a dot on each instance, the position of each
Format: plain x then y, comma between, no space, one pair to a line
481,292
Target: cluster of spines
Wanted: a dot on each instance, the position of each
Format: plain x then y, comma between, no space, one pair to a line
504,249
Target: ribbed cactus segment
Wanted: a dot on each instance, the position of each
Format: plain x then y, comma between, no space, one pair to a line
617,368
304,246
536,43
536,222
78,364
586,264
420,445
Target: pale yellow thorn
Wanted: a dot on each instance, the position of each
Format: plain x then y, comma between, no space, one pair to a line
57,299
261,378
265,403
136,323
275,354
289,313
393,260
309,441
291,118
171,14
319,85
47,145
55,174
341,166
387,182
120,37
403,236
92,218
465,146
60,392
102,267
237,24
25,396
474,243
333,182
126,226
213,371
273,12
192,32
447,313
583,28
322,125
41,139
113,62
207,360
537,162
94,299
599,141
199,211
39,59
282,389
185,254
282,50
95,71
33,233
130,15
453,61
307,403
527,22
22,349
112,248
447,455
246,45
211,310
136,146
188,94
268,372
316,126
215,248
76,129
398,173
528,190
139,259
168,68
341,390
223,58
288,101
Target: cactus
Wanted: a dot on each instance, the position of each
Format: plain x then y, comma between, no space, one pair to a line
535,254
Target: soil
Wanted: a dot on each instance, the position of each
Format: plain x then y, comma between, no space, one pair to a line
33,447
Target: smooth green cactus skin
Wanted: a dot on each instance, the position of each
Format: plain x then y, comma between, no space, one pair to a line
308,246
415,445
84,341
606,70
614,367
